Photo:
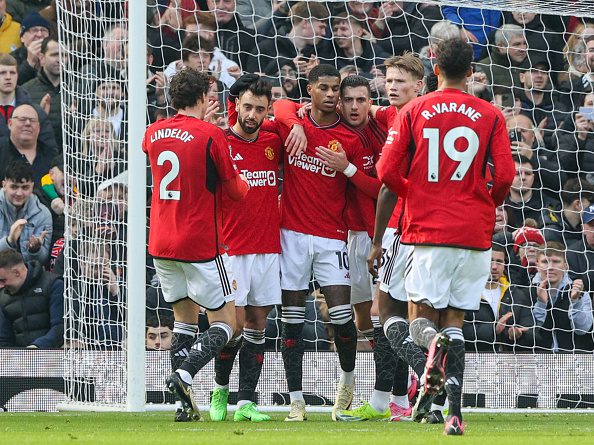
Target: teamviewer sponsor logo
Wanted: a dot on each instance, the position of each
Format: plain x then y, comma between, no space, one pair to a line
312,164
260,178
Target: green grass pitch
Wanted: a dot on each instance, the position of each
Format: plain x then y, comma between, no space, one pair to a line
159,428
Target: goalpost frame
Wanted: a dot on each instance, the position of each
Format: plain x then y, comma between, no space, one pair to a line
136,251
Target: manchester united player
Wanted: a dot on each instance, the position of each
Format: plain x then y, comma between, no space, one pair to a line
252,232
191,166
313,236
438,162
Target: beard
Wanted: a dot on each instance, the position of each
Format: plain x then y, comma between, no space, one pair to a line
248,130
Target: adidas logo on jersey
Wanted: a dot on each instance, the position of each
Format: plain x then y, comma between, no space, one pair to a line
183,353
197,346
237,157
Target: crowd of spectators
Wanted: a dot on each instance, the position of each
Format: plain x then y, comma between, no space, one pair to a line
538,69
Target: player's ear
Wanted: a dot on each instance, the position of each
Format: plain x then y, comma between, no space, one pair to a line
470,71
309,89
436,69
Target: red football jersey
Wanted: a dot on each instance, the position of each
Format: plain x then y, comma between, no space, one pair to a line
360,213
252,225
445,139
313,200
189,160
385,116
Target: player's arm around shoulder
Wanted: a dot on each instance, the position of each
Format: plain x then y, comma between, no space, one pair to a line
502,160
234,183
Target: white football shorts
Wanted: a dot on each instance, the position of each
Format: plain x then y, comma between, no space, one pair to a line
258,279
210,284
302,254
359,245
392,274
447,276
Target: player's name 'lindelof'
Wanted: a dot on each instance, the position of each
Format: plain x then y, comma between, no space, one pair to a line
175,133
452,107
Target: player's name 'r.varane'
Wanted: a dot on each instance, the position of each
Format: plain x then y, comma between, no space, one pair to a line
312,164
260,178
451,107
175,133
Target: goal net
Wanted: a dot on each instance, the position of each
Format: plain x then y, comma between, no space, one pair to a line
533,59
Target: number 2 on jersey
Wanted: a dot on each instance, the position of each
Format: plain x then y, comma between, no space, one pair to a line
464,158
164,193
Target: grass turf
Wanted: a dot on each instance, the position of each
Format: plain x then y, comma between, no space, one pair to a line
149,428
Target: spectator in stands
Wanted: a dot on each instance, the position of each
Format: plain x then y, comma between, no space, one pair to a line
528,241
525,200
506,61
576,149
544,34
407,26
34,29
163,36
527,140
102,157
156,86
303,44
111,106
257,15
9,31
199,52
97,299
477,25
353,46
25,223
45,88
110,63
31,304
580,253
442,30
11,96
504,315
565,225
562,310
537,100
236,41
582,82
23,143
19,9
294,87
51,195
159,332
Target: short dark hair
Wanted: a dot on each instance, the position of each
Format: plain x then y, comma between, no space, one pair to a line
574,188
154,320
188,87
45,43
57,161
353,82
259,87
553,248
496,247
520,159
322,70
19,171
194,43
10,258
454,58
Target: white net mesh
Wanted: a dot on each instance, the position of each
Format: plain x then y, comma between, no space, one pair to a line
536,67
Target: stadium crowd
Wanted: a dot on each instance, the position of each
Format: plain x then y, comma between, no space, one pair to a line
538,69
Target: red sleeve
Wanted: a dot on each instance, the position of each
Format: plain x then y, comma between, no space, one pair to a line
503,163
285,113
267,125
236,188
221,155
385,116
367,184
395,154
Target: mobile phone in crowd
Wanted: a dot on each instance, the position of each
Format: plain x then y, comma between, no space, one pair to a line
587,112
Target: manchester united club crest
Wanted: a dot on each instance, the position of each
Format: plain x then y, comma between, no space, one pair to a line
334,145
269,152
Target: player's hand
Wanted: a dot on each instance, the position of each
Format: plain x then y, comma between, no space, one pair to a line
296,142
577,289
15,231
374,260
542,291
502,322
242,84
336,160
211,110
35,242
302,112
